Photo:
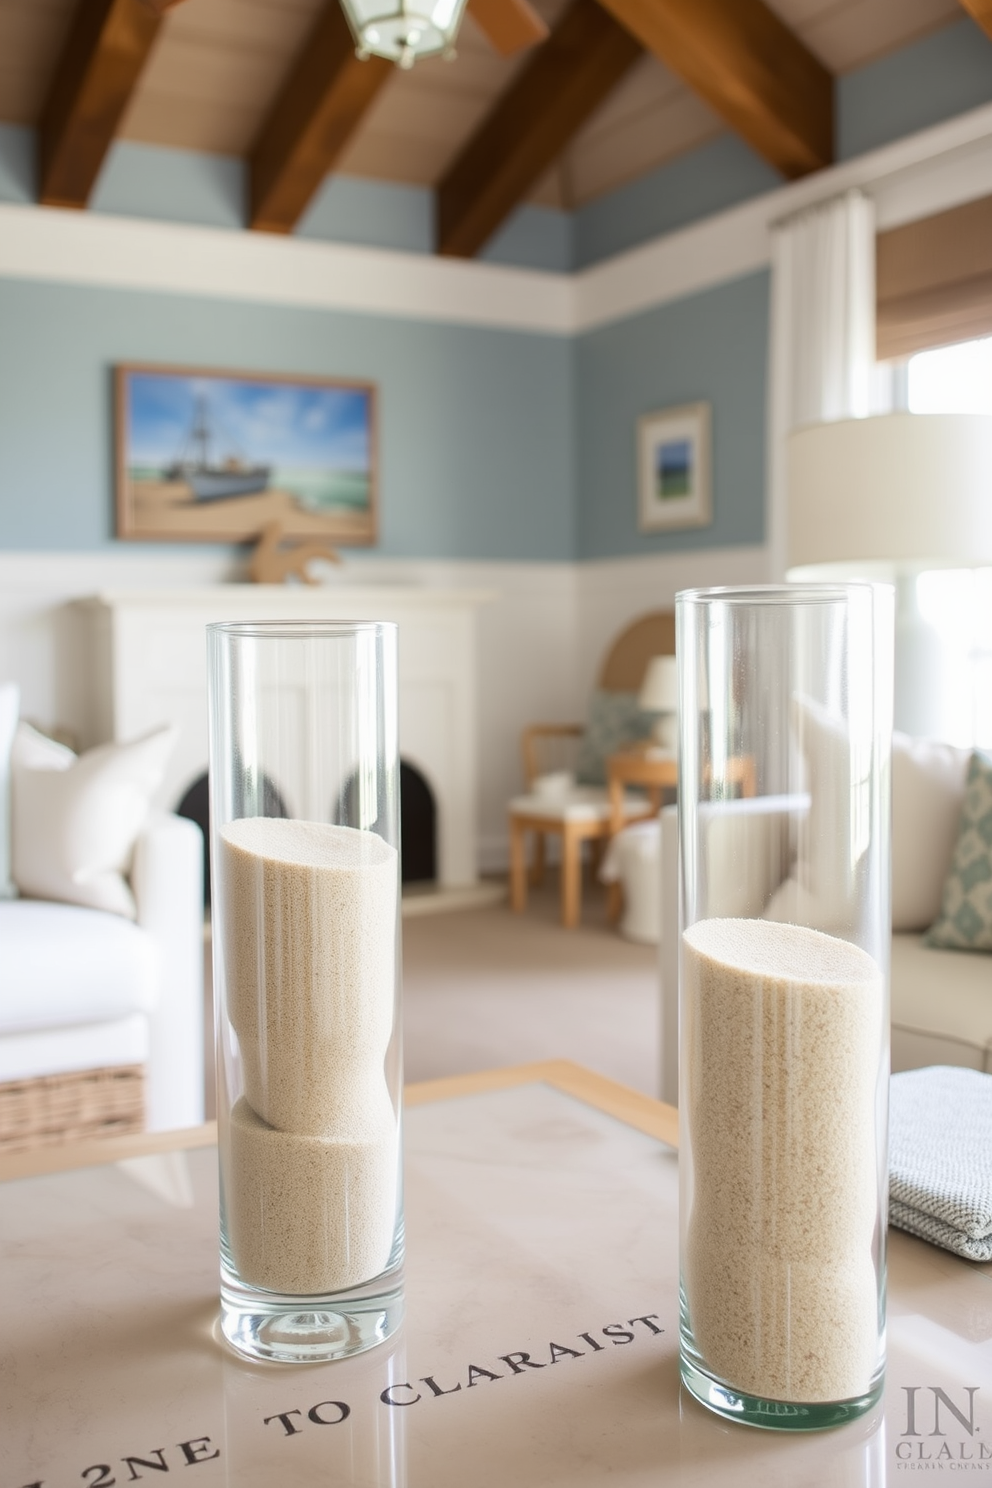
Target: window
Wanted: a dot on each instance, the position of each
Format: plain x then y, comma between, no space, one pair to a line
952,379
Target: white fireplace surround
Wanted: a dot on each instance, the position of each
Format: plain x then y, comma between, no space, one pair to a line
539,642
148,652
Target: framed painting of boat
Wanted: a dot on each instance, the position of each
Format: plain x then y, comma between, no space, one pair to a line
209,456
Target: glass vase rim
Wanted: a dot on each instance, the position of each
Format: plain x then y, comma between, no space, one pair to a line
831,592
299,628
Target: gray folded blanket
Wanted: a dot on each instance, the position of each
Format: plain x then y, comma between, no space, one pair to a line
940,1158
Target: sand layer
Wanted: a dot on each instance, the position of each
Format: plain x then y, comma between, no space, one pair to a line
307,1215
311,1149
309,931
782,1030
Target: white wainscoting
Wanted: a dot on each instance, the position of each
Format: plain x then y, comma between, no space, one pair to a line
541,638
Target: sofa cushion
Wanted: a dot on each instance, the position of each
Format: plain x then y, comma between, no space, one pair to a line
76,820
62,965
928,783
965,921
81,1046
941,993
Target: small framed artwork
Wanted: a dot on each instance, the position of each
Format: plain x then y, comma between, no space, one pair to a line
673,468
206,456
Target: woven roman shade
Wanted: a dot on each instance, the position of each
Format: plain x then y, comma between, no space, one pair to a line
934,280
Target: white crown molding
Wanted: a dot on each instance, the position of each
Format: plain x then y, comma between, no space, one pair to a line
927,172
130,253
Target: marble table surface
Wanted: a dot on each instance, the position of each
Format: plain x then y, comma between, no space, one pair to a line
540,1345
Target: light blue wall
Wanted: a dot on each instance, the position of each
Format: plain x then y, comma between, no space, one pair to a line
476,426
703,181
710,347
494,444
382,214
212,191
945,73
534,238
171,186
16,163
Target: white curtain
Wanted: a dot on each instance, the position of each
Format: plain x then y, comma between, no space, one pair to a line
822,363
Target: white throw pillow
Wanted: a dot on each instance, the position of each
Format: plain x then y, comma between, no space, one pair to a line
10,699
928,788
76,820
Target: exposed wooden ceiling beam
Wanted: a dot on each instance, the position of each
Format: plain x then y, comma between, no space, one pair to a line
749,67
980,11
584,57
108,44
318,109
511,25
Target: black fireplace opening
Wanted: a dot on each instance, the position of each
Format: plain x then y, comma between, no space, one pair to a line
418,823
418,827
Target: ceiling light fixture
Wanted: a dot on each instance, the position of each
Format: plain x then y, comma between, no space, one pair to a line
404,30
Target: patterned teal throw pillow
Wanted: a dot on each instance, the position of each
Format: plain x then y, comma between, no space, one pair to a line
614,721
965,919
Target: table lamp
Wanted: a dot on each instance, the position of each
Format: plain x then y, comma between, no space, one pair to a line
660,694
887,498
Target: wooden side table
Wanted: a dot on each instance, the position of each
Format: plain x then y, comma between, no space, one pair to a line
654,771
646,766
643,765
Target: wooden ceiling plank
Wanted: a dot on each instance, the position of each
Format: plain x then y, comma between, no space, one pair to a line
585,56
511,25
980,11
752,70
317,110
108,44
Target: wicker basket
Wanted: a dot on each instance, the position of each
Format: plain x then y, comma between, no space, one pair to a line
51,1109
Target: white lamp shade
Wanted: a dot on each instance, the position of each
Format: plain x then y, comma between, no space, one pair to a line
660,689
907,488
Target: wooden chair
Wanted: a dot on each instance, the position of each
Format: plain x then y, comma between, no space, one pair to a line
583,814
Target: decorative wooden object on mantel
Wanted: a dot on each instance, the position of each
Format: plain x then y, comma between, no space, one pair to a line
275,560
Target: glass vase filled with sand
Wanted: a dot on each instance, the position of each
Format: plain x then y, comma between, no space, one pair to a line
304,803
784,1020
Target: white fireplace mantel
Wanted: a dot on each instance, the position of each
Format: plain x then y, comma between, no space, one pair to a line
149,656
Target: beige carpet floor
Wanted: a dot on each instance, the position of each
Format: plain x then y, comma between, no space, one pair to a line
484,988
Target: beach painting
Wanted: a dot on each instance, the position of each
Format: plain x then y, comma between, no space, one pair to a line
673,468
205,456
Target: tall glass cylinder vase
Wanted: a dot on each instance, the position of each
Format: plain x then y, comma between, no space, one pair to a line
304,803
784,786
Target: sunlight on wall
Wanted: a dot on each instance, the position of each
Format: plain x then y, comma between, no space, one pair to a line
958,602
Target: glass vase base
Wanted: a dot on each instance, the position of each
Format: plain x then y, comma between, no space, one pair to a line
309,1330
774,1415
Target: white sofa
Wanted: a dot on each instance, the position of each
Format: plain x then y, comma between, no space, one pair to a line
941,1000
85,989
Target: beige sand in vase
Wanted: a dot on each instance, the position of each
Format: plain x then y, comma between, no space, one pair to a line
782,1029
309,944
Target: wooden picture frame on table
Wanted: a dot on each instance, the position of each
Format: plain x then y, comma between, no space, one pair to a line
674,464
206,455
